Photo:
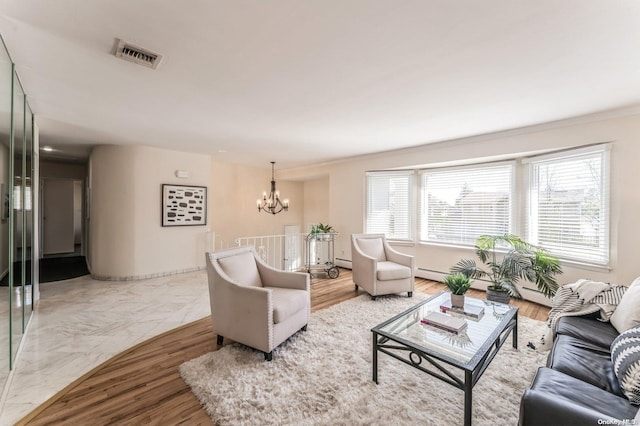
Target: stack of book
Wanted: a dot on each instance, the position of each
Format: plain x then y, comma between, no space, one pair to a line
472,311
444,322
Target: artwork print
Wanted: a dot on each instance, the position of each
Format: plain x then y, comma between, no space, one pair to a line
184,205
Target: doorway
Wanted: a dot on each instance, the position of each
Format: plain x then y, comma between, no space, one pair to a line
62,230
292,248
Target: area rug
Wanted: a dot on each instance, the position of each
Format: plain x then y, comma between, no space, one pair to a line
323,377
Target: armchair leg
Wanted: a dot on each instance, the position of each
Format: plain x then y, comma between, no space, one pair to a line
268,356
356,287
410,294
374,298
304,328
219,340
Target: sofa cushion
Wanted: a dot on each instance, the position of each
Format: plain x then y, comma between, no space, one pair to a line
597,332
625,356
241,268
372,247
557,399
627,313
584,361
392,271
286,302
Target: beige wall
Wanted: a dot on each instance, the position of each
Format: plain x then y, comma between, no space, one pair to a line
316,202
127,240
234,191
347,187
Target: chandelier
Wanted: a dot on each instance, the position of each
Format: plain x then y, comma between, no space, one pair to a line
271,203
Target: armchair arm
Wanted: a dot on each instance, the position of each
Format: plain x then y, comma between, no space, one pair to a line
272,277
363,267
235,301
244,314
400,258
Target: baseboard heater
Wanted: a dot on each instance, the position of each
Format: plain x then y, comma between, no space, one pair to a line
430,274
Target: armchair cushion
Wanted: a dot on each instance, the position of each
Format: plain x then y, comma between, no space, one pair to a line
392,271
599,333
242,269
584,361
373,247
287,302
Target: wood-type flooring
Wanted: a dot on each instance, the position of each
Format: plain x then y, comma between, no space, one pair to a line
143,386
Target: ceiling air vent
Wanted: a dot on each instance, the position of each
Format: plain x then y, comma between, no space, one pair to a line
138,55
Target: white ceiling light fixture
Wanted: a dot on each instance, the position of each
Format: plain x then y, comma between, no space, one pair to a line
137,55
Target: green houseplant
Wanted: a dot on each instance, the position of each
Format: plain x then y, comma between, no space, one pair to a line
321,229
318,231
458,284
520,260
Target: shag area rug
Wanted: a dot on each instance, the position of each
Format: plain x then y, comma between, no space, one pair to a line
323,377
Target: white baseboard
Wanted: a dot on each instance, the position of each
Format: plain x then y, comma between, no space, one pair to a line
529,294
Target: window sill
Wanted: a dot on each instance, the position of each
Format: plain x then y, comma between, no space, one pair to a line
401,243
586,266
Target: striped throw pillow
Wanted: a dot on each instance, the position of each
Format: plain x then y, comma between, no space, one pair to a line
625,356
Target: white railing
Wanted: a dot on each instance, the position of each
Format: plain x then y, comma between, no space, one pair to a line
213,243
284,252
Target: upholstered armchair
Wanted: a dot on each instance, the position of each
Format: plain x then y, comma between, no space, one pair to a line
254,304
378,268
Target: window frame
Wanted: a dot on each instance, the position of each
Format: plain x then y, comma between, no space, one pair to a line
511,164
520,209
410,203
605,196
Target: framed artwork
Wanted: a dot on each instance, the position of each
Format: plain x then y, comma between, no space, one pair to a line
184,205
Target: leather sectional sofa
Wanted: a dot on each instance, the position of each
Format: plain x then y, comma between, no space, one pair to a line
578,386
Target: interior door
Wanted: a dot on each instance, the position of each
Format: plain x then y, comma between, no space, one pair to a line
292,248
57,216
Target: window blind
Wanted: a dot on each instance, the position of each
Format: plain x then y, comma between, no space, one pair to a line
569,206
459,205
389,204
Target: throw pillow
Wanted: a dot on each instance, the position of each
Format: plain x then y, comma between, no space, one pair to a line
627,313
625,356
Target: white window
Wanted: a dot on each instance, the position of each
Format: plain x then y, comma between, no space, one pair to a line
569,204
460,204
389,204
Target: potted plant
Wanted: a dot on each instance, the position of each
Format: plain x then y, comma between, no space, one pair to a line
319,229
521,260
458,284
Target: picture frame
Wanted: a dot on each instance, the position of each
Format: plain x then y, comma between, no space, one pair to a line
184,205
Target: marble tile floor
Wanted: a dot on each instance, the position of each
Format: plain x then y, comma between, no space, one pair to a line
80,323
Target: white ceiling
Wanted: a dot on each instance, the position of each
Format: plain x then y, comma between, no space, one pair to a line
307,81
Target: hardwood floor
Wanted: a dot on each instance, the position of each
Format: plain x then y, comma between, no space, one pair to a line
142,385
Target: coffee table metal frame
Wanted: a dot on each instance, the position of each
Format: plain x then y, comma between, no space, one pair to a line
413,354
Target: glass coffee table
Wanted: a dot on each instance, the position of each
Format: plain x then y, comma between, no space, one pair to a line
446,353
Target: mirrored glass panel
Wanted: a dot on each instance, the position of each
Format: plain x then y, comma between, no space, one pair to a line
6,72
16,213
27,195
